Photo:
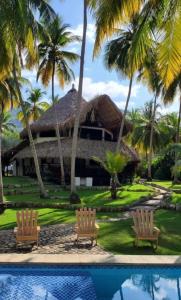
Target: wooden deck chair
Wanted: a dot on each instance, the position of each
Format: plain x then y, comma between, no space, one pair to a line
27,229
86,226
144,228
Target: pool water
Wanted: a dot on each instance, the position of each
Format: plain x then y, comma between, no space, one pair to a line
50,282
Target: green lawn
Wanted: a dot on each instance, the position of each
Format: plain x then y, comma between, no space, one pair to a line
117,237
176,198
91,198
18,180
168,184
47,216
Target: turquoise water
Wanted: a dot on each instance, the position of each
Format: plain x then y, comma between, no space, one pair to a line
89,283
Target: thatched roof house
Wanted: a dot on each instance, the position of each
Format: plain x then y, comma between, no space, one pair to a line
100,121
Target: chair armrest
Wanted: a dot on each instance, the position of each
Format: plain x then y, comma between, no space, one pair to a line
157,230
97,226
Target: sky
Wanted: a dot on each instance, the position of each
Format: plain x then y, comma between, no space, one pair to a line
97,79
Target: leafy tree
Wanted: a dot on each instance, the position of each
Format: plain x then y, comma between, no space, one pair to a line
113,163
19,31
54,61
118,56
34,106
142,128
8,100
149,75
79,98
159,19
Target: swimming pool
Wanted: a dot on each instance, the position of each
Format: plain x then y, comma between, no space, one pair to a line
62,282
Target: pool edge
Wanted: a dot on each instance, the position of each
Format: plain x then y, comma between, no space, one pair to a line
90,259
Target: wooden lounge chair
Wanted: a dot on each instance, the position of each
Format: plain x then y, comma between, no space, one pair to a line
86,226
27,229
144,226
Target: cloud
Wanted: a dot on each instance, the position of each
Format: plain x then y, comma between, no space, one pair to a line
90,31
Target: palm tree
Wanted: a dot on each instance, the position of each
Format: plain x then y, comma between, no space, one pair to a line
158,18
19,31
149,75
113,163
54,61
34,106
168,97
79,99
7,125
8,100
118,56
142,129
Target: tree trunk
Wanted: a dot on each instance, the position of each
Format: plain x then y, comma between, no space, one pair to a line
113,187
43,192
151,139
79,99
1,177
58,132
124,116
177,138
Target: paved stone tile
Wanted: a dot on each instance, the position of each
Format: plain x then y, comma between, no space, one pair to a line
54,239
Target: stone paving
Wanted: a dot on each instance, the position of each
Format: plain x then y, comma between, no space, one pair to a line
54,239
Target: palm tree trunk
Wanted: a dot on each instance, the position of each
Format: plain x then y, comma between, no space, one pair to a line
79,99
124,116
1,178
57,131
177,137
178,124
151,139
43,192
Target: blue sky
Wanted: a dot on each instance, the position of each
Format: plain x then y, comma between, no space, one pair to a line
97,80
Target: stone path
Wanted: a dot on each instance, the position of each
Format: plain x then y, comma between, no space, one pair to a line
54,239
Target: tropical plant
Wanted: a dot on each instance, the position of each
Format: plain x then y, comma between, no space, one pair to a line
118,56
114,163
8,100
54,61
169,95
19,31
79,99
159,19
149,75
34,106
142,129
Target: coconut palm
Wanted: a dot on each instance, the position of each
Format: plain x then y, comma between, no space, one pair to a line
142,129
118,56
34,106
113,163
8,100
169,97
54,61
79,98
149,75
158,18
7,125
19,30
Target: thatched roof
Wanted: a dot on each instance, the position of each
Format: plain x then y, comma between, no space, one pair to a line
101,108
86,149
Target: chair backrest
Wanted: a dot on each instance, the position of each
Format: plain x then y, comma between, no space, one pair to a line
86,218
27,222
143,222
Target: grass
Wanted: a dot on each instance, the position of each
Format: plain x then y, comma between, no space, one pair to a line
168,184
91,198
47,216
13,180
117,237
176,198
